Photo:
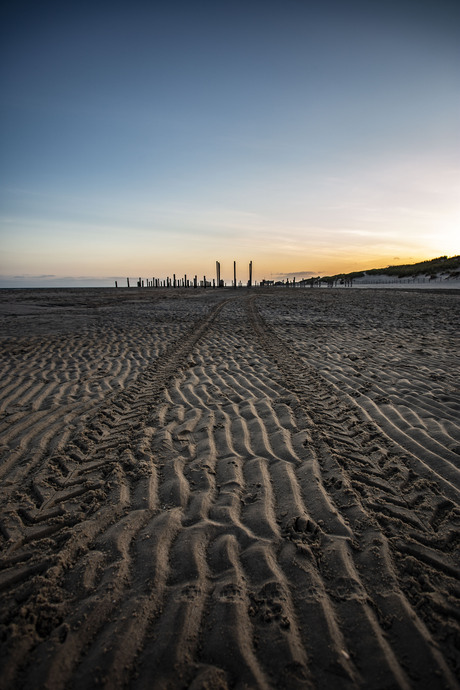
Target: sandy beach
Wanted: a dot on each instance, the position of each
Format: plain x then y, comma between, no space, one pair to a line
215,489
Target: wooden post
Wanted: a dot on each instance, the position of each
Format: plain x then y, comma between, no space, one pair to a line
234,275
174,280
185,280
195,282
116,284
127,280
218,273
250,274
204,281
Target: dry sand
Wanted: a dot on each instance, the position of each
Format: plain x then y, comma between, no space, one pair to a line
217,489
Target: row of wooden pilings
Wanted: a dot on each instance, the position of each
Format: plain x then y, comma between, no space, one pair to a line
186,282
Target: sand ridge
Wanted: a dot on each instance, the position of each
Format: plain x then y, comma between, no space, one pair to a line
241,508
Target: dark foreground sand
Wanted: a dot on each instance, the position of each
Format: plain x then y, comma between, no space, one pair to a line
218,489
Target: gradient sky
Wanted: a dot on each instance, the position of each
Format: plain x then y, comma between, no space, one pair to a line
142,139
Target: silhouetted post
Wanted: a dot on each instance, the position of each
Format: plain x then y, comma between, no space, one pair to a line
250,274
127,280
234,275
116,284
185,280
213,282
195,282
218,273
174,280
204,281
293,282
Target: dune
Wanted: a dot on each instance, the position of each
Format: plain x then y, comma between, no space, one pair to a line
229,489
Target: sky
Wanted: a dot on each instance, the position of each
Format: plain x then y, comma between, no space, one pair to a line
146,139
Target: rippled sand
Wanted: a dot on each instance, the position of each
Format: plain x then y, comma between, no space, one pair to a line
219,489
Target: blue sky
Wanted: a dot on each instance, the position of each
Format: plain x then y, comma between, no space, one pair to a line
146,139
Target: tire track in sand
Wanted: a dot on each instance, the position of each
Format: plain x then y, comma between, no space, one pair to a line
222,536
92,482
398,513
51,386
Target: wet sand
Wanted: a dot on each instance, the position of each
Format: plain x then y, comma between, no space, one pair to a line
229,489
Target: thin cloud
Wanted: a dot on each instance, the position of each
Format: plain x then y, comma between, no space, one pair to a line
298,275
32,281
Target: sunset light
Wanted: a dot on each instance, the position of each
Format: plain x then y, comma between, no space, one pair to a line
229,330
153,139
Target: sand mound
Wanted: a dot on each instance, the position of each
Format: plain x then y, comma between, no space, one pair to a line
218,489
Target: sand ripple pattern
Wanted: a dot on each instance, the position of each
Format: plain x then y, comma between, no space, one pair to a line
76,358
230,520
400,365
